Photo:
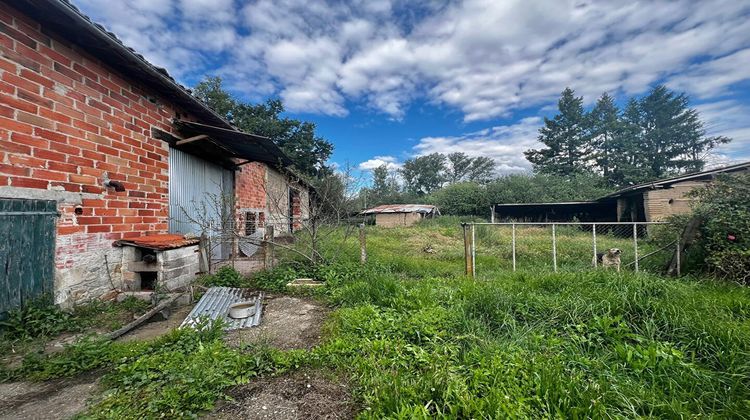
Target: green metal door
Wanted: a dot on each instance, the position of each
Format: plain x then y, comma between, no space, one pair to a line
27,251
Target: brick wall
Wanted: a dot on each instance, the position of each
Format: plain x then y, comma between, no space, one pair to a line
250,194
66,121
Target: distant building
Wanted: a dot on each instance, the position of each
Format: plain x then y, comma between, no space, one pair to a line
395,215
648,202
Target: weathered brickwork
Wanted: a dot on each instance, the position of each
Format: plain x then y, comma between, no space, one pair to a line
250,194
68,122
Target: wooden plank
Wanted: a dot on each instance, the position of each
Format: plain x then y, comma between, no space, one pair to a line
191,139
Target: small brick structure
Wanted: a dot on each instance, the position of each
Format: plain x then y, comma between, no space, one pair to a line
72,120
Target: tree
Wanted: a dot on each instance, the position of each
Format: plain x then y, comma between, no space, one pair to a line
674,139
462,199
296,138
604,126
424,174
458,167
566,136
461,167
481,170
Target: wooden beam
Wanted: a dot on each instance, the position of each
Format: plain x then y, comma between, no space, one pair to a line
243,163
191,139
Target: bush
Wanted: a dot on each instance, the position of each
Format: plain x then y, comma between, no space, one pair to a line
39,318
225,276
462,199
725,234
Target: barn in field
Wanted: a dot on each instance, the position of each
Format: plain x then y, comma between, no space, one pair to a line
99,148
396,215
648,202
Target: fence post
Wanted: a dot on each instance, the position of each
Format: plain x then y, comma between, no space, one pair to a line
467,249
492,214
513,244
593,232
554,248
473,252
362,244
678,256
268,245
635,244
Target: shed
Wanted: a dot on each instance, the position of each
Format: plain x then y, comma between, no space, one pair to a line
395,215
647,202
102,146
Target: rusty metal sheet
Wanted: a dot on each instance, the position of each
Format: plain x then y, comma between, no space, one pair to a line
402,208
215,305
159,242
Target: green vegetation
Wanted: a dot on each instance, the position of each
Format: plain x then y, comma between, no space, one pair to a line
725,240
418,339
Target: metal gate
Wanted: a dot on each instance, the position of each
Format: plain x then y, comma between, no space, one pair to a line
27,251
200,199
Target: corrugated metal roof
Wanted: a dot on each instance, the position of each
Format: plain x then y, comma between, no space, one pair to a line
215,305
686,177
402,208
159,242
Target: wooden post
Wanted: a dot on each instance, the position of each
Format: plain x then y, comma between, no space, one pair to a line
268,248
492,214
362,244
467,249
204,263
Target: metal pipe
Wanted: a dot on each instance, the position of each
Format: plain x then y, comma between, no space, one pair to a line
679,256
473,253
635,244
567,223
593,231
513,242
554,248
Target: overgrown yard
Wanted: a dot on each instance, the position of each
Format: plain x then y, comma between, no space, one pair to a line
412,337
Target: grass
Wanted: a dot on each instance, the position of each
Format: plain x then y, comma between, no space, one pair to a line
418,340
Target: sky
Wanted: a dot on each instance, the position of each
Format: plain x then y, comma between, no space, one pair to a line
387,80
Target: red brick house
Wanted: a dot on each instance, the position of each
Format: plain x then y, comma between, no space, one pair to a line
121,149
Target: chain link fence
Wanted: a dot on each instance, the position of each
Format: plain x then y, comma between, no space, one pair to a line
571,246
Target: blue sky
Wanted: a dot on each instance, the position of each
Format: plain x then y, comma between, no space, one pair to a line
386,80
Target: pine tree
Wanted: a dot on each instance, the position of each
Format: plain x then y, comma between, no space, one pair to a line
567,139
604,125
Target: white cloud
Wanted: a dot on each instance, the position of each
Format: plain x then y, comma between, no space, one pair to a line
728,118
505,144
389,161
485,58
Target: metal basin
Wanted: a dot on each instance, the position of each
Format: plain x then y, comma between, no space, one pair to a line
242,310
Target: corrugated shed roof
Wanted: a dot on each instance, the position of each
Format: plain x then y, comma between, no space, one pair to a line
680,178
159,242
402,208
214,304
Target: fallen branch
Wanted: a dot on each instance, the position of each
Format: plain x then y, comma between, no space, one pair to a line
141,319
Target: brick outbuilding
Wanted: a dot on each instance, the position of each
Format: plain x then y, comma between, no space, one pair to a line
88,123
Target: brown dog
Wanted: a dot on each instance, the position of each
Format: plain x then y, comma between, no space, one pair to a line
611,258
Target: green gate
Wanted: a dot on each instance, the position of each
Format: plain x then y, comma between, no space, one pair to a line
27,251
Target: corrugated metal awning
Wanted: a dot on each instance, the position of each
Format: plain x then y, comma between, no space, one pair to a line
402,208
223,143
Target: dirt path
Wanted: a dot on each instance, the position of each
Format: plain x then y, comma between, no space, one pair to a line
300,395
62,399
287,323
59,399
155,329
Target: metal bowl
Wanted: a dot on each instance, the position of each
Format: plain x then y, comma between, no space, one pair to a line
242,310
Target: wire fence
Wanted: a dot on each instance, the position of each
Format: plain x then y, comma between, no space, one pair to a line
569,246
